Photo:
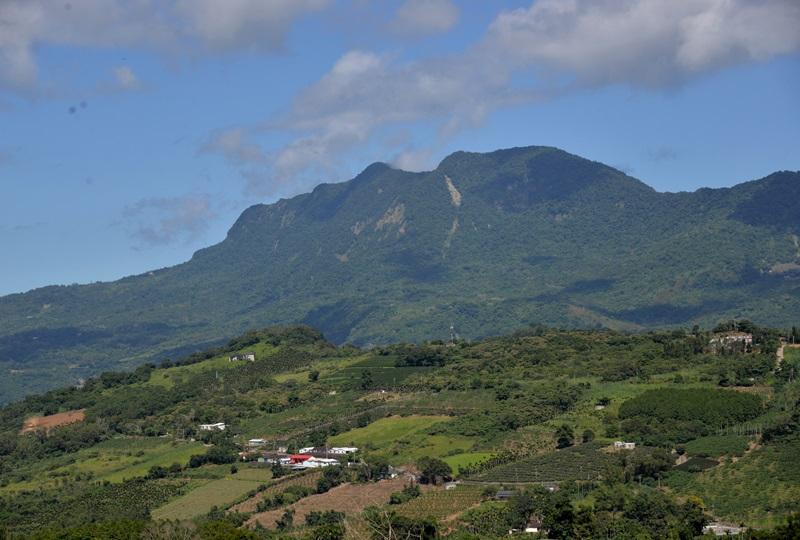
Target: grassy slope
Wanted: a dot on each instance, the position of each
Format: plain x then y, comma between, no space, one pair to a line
207,495
402,440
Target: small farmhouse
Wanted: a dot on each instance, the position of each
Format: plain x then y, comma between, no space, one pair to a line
534,526
219,426
250,357
255,443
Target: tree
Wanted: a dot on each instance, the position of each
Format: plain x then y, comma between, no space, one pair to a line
520,508
366,380
313,376
331,477
433,471
386,525
564,436
277,470
588,436
286,521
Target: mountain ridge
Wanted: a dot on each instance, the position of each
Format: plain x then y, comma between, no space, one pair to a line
484,241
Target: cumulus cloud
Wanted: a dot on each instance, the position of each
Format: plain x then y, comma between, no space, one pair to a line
645,43
425,17
551,48
157,221
169,26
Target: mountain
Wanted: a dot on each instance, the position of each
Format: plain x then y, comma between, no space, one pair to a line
486,243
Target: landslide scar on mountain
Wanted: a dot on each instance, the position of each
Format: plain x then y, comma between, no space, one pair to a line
455,195
450,234
393,216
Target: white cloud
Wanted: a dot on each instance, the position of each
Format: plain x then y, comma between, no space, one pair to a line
125,78
233,144
167,220
554,46
645,43
173,27
242,24
425,17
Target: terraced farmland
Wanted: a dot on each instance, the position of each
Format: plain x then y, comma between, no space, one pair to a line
583,462
442,503
308,479
200,500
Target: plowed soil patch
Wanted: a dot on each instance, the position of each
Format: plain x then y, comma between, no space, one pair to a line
347,498
53,420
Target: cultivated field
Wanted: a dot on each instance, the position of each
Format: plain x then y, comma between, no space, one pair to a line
442,504
51,421
402,439
347,498
582,462
201,499
306,480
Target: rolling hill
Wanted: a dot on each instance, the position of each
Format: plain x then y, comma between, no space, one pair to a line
486,242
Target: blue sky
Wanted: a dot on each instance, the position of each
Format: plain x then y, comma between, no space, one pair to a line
134,132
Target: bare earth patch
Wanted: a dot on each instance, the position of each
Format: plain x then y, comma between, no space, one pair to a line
347,498
53,420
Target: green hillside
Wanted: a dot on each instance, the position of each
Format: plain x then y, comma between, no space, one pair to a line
485,242
716,439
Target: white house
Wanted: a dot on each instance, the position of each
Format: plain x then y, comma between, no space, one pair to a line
621,445
305,450
250,357
314,463
256,442
722,529
534,526
219,426
342,450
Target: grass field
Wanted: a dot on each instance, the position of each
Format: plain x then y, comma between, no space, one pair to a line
207,495
402,439
167,377
329,369
466,459
112,460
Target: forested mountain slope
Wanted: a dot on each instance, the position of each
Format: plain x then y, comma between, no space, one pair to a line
485,242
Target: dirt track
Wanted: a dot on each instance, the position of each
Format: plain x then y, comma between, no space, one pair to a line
53,420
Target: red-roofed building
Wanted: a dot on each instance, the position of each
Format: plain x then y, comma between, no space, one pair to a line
299,458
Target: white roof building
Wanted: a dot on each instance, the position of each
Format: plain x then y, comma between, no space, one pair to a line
219,426
341,450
